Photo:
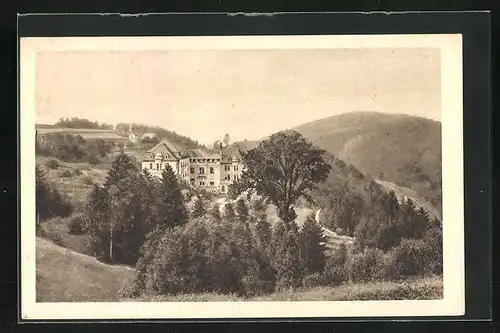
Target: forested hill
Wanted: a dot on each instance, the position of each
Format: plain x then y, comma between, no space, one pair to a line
398,148
162,133
123,129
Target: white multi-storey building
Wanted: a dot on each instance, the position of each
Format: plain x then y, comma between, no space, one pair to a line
213,172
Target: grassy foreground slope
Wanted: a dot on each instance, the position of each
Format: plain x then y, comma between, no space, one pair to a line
66,276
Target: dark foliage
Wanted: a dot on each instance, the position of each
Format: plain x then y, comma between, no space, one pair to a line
282,169
76,225
198,208
206,256
169,201
82,123
49,202
241,210
74,148
182,141
312,246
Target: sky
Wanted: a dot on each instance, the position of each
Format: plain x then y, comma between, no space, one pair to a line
248,94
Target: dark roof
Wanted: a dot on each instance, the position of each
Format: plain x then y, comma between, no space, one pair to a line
167,149
235,149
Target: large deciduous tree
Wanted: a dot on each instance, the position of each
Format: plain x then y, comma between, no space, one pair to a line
282,169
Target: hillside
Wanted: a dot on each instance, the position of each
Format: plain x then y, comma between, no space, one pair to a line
401,149
66,276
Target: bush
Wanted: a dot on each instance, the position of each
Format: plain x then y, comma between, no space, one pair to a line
65,173
58,240
204,256
315,280
335,271
366,265
76,225
40,232
93,160
412,257
52,164
88,181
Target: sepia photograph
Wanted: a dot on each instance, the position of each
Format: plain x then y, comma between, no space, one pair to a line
224,177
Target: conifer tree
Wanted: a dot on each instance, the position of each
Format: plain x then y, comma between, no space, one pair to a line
286,258
198,208
121,167
49,201
258,210
241,210
215,212
43,194
170,205
312,245
97,214
229,214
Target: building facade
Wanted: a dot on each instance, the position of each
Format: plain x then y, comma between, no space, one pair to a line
212,172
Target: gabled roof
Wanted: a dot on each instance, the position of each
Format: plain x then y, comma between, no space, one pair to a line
167,149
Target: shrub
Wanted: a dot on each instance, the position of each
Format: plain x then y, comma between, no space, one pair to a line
65,173
40,232
335,271
88,181
52,164
58,239
315,280
76,225
365,266
204,256
412,257
93,160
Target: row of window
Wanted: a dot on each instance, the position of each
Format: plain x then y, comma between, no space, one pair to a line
204,160
201,182
201,170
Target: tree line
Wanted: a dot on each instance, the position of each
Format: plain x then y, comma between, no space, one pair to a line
76,122
73,148
160,132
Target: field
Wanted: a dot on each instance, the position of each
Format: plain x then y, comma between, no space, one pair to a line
87,134
65,276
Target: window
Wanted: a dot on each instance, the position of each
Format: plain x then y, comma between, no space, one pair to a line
212,170
157,166
191,170
202,170
228,177
192,181
223,188
202,183
235,177
235,168
212,183
151,165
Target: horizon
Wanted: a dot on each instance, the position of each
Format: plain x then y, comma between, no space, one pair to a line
208,144
250,94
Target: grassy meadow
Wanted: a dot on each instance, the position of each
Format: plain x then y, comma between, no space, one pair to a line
63,275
